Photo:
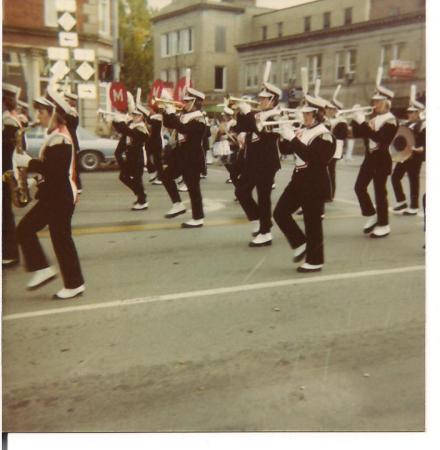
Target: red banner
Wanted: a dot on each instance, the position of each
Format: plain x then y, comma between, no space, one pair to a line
118,97
180,87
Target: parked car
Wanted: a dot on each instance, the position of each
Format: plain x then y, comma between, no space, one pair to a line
94,150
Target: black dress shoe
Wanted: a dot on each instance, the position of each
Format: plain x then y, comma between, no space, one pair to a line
262,244
306,270
369,229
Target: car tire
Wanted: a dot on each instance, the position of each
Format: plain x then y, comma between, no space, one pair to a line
89,160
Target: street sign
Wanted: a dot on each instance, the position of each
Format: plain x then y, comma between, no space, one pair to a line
118,96
84,54
58,53
87,91
66,5
67,21
59,69
85,71
68,39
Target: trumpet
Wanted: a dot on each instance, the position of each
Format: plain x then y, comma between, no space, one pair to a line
367,110
235,100
165,101
110,114
274,126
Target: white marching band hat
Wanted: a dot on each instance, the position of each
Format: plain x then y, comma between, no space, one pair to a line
58,100
11,89
382,93
334,103
228,111
142,110
414,105
71,95
192,94
269,90
43,102
23,104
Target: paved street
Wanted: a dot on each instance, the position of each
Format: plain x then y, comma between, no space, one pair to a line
192,330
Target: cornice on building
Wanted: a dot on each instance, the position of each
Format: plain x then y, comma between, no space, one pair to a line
198,7
358,27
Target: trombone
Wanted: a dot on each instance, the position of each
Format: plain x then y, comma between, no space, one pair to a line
235,100
367,110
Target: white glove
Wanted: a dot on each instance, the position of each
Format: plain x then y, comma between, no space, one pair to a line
21,160
170,109
286,132
359,117
244,108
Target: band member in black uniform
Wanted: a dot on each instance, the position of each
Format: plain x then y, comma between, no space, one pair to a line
165,161
260,163
72,123
57,195
313,146
377,164
205,144
11,126
130,155
226,145
412,165
339,129
189,154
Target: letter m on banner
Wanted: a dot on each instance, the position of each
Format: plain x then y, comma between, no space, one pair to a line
118,96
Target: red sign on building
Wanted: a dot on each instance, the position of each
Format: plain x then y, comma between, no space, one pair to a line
402,69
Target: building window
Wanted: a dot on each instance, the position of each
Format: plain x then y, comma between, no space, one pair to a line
288,72
326,23
176,42
164,47
314,63
251,74
50,13
348,16
388,53
264,32
11,64
345,64
280,29
220,39
220,78
307,23
104,17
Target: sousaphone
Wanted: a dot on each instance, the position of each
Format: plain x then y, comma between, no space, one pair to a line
401,147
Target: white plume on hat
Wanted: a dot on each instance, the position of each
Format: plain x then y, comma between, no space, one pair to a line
382,93
58,99
414,105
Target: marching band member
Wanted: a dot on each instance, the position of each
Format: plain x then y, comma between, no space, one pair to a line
260,163
313,147
57,196
191,129
412,165
72,123
226,144
377,162
131,156
165,162
339,128
11,125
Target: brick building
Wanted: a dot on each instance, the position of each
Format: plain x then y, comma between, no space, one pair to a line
30,27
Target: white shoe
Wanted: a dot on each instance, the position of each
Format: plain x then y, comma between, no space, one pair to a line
139,206
69,293
156,182
261,240
370,224
152,177
306,268
193,223
400,208
182,188
41,277
380,231
299,253
410,212
176,210
255,228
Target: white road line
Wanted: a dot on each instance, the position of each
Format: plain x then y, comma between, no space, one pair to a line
259,264
216,291
348,202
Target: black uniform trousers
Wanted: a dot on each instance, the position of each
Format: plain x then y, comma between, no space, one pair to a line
332,172
411,166
231,165
9,235
132,178
371,171
262,210
167,177
191,177
58,217
291,199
